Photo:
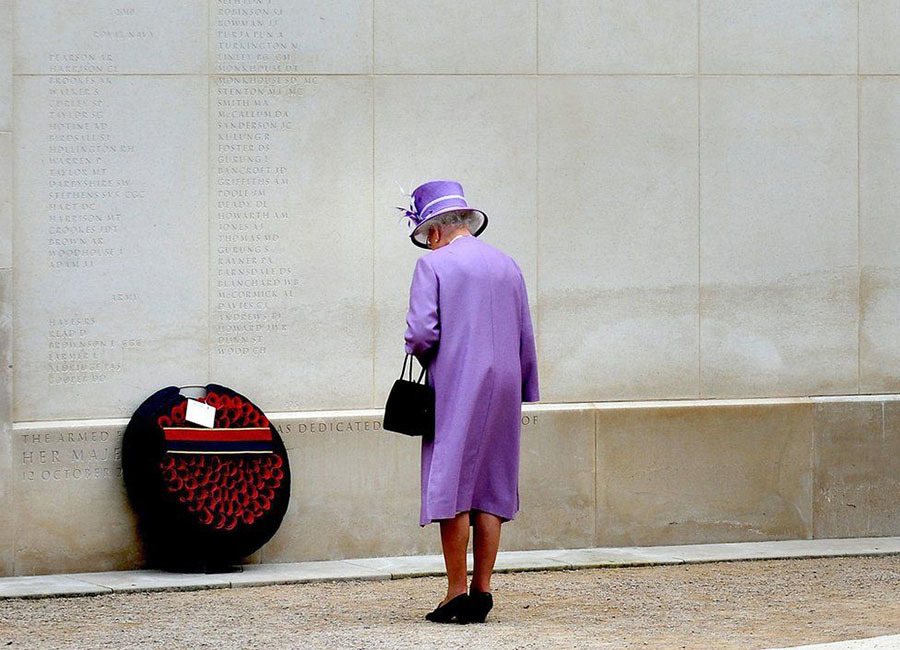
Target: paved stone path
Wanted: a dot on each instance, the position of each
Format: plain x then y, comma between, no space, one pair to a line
721,605
659,597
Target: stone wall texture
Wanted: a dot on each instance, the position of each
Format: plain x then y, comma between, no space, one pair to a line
701,193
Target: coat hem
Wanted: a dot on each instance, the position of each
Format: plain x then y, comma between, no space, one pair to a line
495,511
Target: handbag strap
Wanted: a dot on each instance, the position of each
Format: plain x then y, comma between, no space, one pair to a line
403,372
405,361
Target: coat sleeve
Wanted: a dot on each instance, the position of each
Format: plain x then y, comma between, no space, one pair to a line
527,353
423,323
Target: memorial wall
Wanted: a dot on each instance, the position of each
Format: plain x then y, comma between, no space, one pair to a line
701,195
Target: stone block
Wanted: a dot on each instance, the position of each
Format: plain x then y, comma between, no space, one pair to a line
685,475
49,586
429,565
782,549
153,580
556,480
6,58
97,37
617,264
455,36
274,574
775,37
488,146
354,491
585,558
6,210
291,232
111,241
879,37
69,499
509,561
857,469
356,488
291,36
695,472
617,37
778,222
7,498
407,566
879,225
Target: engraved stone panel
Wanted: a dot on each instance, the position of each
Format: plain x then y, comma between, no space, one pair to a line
6,54
478,130
356,487
618,238
354,493
776,37
291,36
617,36
688,474
778,226
70,499
101,37
7,516
291,224
455,36
556,480
857,469
879,222
111,241
879,37
664,475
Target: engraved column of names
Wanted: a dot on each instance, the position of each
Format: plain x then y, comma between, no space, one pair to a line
85,200
249,37
253,274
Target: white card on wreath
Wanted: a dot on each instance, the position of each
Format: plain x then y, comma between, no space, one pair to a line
200,413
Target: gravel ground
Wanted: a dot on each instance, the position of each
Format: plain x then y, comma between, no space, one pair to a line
742,605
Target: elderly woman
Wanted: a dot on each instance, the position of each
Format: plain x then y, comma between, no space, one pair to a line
470,325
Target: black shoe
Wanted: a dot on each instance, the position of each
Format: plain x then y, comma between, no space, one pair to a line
480,603
455,608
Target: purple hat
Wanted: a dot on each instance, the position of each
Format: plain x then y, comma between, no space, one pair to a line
434,198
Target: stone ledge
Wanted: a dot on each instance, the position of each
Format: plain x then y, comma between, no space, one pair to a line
387,568
537,407
593,475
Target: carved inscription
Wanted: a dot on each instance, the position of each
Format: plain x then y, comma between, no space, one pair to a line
79,354
349,425
353,425
250,37
114,28
69,455
88,199
83,230
254,269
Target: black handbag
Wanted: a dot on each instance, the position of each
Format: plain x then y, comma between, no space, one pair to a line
410,404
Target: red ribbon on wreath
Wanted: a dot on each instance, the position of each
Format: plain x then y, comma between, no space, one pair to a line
221,492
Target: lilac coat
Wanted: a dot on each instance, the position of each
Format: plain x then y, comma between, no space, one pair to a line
469,324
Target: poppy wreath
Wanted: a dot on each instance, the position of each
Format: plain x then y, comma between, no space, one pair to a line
204,497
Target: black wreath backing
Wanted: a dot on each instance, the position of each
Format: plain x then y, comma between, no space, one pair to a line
205,498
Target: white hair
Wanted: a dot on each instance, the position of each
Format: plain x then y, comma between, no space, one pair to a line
454,220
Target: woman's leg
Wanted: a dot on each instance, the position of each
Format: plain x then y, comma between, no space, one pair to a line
454,542
486,542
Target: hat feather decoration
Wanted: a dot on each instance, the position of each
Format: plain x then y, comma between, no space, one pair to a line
409,214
